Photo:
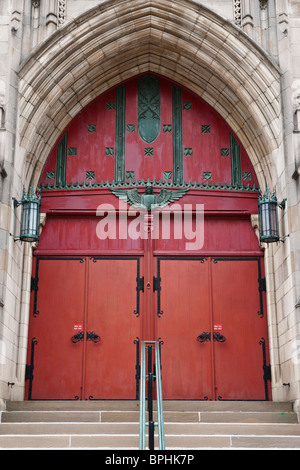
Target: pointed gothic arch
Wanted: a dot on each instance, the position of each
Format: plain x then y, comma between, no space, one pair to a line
116,40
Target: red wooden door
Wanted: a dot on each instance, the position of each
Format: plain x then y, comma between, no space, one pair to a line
211,323
58,311
111,303
83,328
184,311
238,315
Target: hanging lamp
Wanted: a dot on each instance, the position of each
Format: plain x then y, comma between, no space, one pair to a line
268,217
30,216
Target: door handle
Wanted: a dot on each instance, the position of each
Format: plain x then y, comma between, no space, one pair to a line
219,338
78,337
206,336
90,336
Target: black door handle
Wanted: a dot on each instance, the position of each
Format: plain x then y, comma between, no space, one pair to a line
78,337
206,336
219,338
90,336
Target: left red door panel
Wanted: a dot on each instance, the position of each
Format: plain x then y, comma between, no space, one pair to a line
58,314
84,328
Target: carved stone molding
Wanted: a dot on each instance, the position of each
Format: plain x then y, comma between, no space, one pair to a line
62,6
15,21
237,12
263,4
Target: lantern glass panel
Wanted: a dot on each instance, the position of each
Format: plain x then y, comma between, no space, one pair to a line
269,222
30,221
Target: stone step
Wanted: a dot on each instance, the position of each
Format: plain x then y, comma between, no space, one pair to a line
133,405
232,442
114,425
120,441
133,428
67,441
73,405
133,416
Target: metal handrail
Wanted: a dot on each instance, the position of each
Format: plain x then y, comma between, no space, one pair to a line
150,376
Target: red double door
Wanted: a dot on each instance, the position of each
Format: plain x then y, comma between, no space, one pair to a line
88,313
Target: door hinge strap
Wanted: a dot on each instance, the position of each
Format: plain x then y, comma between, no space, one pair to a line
267,372
34,285
157,288
140,284
29,371
262,287
156,284
139,288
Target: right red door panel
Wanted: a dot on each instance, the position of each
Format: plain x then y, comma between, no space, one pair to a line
213,332
238,315
184,313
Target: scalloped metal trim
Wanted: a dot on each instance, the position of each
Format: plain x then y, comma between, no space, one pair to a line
139,183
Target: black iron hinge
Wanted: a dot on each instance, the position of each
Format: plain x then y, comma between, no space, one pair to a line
156,284
262,286
157,288
267,372
29,372
35,287
139,288
140,284
34,283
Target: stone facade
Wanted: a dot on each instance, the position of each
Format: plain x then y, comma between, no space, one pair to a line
240,56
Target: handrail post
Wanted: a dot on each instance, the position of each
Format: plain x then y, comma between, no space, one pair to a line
150,376
142,398
160,417
150,399
150,410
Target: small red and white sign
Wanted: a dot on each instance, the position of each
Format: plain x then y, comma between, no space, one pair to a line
78,327
218,327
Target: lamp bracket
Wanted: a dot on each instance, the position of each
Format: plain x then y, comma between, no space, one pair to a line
282,204
16,203
15,237
282,239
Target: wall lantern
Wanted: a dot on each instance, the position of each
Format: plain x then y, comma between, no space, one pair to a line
30,216
268,217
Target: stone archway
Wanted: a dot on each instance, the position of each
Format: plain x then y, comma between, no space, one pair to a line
183,41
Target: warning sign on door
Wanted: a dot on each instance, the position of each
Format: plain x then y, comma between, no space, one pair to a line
218,327
78,327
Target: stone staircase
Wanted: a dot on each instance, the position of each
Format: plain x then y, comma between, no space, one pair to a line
115,425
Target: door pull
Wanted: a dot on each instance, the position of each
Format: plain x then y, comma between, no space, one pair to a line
206,336
219,338
92,336
78,337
